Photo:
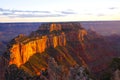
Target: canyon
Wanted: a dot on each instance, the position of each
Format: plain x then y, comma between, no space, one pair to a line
69,44
53,35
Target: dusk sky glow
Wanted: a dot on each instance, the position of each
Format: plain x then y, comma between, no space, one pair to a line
58,10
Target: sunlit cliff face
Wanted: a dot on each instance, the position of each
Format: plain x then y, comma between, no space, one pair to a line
81,35
24,47
22,51
55,27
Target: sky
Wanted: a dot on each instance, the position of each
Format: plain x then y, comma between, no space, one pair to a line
58,10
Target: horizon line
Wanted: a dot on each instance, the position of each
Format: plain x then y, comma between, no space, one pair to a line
60,21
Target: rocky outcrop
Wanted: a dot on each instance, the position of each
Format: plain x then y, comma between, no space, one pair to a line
68,43
48,35
24,47
21,52
55,27
82,34
59,72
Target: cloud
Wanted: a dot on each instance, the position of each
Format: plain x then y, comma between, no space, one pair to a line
9,10
10,15
1,9
101,15
39,15
67,12
29,14
112,8
30,11
7,14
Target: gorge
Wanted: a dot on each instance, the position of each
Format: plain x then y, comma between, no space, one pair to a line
66,45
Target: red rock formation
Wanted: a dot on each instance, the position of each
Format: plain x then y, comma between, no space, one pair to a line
22,50
86,48
81,34
55,27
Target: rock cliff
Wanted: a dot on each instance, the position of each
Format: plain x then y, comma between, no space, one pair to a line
68,43
24,47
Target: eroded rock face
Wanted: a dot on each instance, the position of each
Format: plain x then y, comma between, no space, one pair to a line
15,56
80,47
24,47
82,34
48,35
20,52
55,27
59,40
59,72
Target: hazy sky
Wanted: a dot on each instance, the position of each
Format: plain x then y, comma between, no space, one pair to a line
58,10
